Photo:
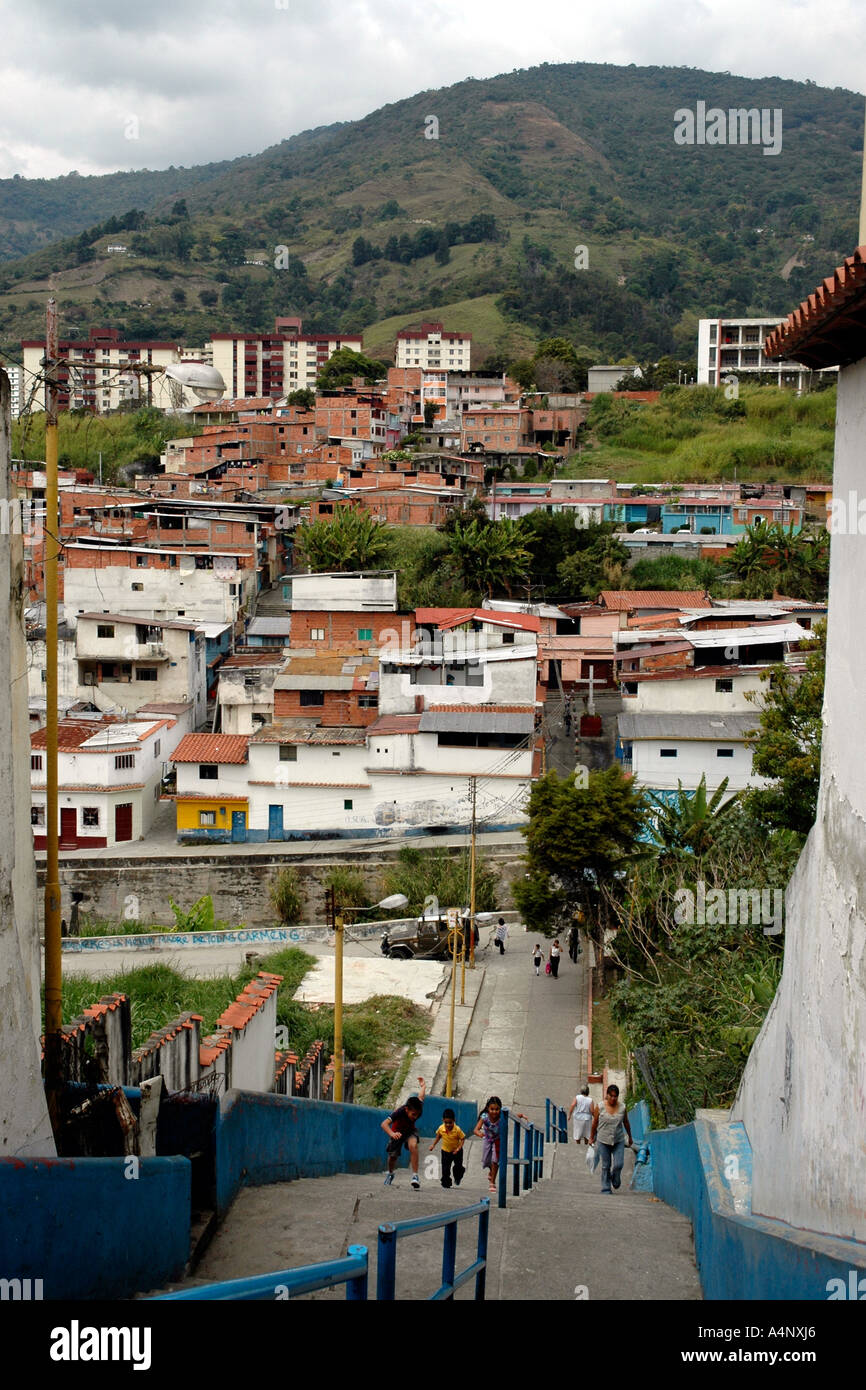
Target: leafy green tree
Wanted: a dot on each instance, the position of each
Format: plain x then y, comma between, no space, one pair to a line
585,573
787,747
686,827
231,248
354,540
770,559
345,364
306,398
581,841
489,557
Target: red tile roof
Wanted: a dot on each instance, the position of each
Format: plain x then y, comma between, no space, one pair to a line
828,328
212,748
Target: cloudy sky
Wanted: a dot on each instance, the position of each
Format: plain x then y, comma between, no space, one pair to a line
98,85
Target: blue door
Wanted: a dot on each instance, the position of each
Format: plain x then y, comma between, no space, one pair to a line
275,822
239,827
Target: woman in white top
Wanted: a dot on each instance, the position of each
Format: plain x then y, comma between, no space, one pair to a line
582,1108
555,953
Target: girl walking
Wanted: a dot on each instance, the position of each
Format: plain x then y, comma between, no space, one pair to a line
487,1129
555,953
537,956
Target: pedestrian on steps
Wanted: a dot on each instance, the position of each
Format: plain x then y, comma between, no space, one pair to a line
555,953
500,935
453,1139
537,956
583,1110
609,1125
400,1128
487,1129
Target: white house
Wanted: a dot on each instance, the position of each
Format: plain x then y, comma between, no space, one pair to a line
156,582
109,779
351,591
668,749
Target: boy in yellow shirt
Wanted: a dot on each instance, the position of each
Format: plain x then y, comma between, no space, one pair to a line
453,1140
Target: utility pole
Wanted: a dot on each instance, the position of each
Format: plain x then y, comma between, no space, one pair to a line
335,919
53,976
473,788
454,928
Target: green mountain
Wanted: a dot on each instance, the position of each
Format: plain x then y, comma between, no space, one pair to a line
371,223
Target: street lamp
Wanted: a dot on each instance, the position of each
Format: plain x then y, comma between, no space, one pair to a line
206,383
336,919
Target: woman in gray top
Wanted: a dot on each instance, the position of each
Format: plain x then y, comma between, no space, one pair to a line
609,1125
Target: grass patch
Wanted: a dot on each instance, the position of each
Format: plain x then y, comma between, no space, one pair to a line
608,1048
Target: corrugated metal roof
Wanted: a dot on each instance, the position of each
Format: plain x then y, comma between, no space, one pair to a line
211,748
267,627
621,599
703,728
478,722
395,724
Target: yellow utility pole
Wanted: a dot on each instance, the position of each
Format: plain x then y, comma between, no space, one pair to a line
338,920
454,928
473,785
53,973
861,239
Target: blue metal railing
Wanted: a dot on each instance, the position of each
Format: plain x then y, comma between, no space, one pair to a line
391,1232
288,1283
531,1161
555,1123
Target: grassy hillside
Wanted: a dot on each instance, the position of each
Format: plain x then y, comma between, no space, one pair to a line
695,435
558,156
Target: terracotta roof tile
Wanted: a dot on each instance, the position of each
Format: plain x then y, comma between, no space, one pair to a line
212,748
619,600
827,329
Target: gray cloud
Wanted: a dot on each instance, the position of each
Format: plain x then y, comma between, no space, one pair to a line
209,81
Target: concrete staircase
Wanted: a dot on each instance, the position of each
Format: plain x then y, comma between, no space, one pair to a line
563,1240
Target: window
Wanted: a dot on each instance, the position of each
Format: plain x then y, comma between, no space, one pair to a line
629,688
724,687
156,747
288,753
368,702
312,697
667,752
145,673
208,772
141,561
108,670
335,752
124,760
365,634
724,752
347,805
508,639
317,634
138,588
35,762
90,818
105,629
37,815
206,818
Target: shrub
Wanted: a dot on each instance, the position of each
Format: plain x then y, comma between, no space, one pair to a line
288,896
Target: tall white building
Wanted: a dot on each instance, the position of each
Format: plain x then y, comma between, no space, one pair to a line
735,347
274,364
428,345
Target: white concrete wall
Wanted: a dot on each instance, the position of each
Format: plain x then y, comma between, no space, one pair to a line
165,593
508,681
695,696
253,1055
24,1124
693,761
803,1095
344,593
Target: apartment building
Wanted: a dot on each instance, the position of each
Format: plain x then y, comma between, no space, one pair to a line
505,428
736,347
272,365
157,582
98,373
428,345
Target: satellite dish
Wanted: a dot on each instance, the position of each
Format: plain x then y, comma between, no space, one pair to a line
204,381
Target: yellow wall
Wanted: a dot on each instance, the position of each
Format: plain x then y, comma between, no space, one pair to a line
188,813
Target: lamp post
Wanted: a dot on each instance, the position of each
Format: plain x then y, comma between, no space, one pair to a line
206,383
337,920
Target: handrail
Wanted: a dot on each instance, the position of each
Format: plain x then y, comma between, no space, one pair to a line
392,1231
555,1123
352,1271
531,1162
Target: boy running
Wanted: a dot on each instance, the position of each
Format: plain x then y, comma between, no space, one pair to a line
401,1131
453,1140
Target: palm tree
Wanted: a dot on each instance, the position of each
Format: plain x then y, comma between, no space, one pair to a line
354,540
489,556
686,826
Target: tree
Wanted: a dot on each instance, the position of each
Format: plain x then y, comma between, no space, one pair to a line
489,557
231,248
580,842
585,573
345,364
306,398
352,541
770,559
686,827
787,746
